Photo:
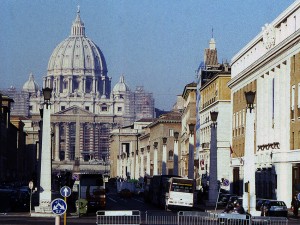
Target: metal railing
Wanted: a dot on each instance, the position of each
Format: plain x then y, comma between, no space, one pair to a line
118,217
183,218
261,220
160,217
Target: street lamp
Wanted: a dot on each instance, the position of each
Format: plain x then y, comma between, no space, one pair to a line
250,96
191,151
176,135
47,92
213,192
214,116
46,170
249,195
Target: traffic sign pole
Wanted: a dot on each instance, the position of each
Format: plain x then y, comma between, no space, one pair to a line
57,220
65,215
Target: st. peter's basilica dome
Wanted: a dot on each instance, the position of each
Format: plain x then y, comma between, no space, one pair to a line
77,52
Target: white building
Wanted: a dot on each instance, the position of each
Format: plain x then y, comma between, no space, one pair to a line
269,65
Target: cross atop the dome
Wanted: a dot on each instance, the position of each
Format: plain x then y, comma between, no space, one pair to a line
78,9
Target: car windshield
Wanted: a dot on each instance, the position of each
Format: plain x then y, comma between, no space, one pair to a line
277,203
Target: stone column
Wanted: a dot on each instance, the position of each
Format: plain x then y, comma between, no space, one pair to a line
249,163
70,85
118,166
56,155
46,170
132,165
137,165
104,85
164,157
124,165
84,85
79,156
148,165
91,147
67,147
155,159
284,179
191,152
94,85
175,169
213,167
142,169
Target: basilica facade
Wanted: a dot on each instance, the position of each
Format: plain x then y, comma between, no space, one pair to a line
84,107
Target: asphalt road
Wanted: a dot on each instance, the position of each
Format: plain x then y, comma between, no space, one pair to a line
114,202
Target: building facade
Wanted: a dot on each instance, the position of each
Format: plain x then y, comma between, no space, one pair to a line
189,161
269,66
214,95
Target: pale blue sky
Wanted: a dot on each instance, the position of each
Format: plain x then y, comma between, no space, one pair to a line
157,44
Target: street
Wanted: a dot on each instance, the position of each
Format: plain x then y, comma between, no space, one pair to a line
114,202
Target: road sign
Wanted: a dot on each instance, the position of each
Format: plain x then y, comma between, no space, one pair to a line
65,191
75,176
58,206
225,182
298,197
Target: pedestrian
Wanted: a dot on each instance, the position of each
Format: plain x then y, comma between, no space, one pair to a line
229,208
295,206
238,208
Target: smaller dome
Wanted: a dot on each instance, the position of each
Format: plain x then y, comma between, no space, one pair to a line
31,86
121,86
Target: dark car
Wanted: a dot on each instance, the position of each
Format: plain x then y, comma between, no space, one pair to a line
125,193
224,199
274,208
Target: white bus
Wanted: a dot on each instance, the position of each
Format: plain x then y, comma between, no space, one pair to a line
181,193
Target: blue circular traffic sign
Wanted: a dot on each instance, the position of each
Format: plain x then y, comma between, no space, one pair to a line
65,191
298,197
58,206
226,182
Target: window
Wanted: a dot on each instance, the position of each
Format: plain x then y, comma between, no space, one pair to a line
171,133
119,109
30,107
62,107
293,102
171,155
104,108
87,108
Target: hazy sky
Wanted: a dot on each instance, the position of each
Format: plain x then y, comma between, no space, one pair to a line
157,44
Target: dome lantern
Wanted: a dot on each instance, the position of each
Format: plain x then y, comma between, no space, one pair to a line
78,28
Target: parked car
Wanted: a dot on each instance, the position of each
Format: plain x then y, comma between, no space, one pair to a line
224,199
125,193
274,208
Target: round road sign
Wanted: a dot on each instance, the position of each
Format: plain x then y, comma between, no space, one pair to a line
58,206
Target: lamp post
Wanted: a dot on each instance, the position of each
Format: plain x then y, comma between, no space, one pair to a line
46,170
213,191
176,135
191,151
249,197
